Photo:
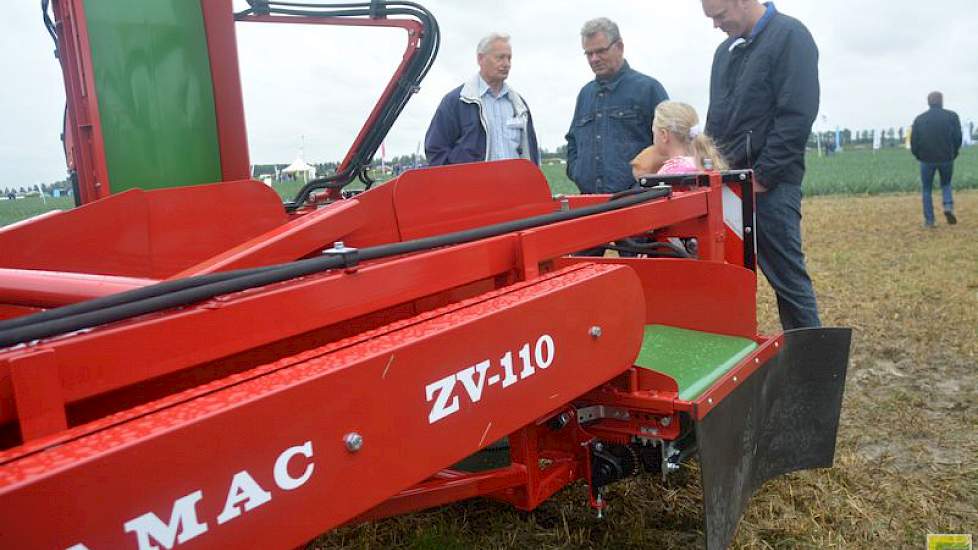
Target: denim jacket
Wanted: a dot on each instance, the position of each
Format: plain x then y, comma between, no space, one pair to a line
612,124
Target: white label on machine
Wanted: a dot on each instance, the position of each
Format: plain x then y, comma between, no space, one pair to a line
486,374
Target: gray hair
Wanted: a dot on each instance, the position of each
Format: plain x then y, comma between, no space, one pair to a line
486,43
601,24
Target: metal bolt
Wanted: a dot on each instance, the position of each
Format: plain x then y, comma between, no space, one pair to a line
735,379
666,420
748,230
595,332
710,401
338,245
743,177
598,447
353,441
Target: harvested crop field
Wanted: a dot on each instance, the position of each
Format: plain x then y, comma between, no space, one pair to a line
907,458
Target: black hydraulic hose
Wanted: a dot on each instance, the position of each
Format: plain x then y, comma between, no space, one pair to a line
650,249
197,290
406,86
128,296
49,24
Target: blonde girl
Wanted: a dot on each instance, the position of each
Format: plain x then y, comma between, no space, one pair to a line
680,146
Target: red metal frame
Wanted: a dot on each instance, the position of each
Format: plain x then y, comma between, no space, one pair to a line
79,395
222,45
85,148
413,29
210,422
83,131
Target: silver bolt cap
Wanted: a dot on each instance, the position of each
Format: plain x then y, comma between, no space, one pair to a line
353,442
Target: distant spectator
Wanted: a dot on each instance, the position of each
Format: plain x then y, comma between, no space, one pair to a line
483,119
935,141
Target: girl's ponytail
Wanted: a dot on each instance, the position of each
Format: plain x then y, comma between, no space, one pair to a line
681,120
704,149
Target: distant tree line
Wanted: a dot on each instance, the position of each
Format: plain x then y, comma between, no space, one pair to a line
889,137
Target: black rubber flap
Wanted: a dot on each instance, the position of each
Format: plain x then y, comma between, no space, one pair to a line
783,418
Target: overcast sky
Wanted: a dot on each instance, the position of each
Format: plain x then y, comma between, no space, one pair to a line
879,58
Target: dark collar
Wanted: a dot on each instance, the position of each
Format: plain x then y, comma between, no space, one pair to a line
769,13
612,83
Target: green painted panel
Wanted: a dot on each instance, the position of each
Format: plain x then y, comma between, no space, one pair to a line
155,95
695,360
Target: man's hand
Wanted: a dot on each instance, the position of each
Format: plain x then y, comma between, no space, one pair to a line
759,187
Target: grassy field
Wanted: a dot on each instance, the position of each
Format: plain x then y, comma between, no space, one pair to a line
854,172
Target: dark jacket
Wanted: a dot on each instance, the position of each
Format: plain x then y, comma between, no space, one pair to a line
457,133
612,124
936,136
765,92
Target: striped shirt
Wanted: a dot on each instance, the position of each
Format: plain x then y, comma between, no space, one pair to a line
505,131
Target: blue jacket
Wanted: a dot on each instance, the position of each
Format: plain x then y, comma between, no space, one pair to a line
457,133
612,124
764,93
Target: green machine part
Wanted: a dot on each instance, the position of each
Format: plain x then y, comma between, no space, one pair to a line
152,75
695,360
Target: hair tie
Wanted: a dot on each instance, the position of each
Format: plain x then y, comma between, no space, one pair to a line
695,132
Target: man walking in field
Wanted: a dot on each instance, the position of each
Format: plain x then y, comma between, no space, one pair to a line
764,96
935,141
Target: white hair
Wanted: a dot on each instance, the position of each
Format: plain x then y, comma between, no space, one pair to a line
486,43
602,25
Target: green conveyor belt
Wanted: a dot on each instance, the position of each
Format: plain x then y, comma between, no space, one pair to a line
694,359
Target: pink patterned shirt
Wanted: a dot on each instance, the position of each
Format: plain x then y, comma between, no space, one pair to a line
679,165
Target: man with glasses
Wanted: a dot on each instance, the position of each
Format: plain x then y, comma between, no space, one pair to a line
613,117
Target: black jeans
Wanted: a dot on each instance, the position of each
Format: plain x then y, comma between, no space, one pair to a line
780,255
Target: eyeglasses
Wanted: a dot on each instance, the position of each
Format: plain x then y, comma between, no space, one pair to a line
599,51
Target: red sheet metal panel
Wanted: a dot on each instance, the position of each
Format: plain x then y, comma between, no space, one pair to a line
221,463
151,234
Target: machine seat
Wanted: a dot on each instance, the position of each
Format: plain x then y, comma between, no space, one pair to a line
695,360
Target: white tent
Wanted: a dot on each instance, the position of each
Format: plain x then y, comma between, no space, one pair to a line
301,170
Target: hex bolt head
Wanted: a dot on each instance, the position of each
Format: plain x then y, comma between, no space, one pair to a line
353,442
595,332
666,420
598,447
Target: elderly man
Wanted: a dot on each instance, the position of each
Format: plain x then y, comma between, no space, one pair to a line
613,117
935,141
764,96
483,119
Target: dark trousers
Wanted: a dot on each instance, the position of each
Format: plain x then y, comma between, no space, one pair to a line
780,255
927,170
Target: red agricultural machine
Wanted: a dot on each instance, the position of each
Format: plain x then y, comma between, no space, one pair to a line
185,361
